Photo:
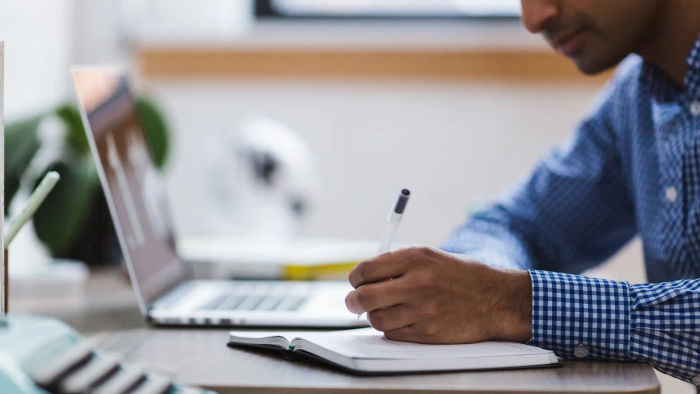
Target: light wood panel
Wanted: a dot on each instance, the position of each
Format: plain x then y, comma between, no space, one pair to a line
361,63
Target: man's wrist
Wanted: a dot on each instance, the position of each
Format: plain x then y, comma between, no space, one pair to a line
515,306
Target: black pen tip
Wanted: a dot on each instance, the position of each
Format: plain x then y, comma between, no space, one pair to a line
402,201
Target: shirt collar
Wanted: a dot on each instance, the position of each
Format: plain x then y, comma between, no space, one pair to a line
660,85
692,76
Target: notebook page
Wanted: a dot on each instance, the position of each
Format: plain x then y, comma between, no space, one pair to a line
260,338
371,344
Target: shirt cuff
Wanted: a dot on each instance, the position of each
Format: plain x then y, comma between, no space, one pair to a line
580,317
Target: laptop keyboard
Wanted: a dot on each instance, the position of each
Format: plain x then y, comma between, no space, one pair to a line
259,296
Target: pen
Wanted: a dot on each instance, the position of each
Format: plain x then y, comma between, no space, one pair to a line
392,225
393,221
33,203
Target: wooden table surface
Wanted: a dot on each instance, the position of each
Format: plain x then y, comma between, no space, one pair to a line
107,313
201,357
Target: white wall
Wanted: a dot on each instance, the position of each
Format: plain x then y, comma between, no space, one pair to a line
38,50
453,144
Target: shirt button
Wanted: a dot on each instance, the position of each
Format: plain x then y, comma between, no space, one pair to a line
695,108
580,351
671,194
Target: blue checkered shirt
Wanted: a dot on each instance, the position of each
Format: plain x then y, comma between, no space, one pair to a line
631,168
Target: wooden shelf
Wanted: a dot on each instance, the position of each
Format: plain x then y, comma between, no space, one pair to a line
359,63
454,50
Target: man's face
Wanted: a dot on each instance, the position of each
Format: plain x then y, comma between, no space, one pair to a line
595,34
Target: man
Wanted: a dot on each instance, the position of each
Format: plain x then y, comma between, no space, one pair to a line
632,167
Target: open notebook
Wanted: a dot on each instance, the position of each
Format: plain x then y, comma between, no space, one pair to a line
366,350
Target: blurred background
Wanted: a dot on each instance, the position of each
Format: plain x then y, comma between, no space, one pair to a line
451,98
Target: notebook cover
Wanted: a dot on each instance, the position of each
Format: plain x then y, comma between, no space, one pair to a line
301,355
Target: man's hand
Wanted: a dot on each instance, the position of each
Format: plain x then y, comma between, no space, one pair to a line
423,295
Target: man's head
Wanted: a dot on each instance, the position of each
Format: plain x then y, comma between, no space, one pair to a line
595,34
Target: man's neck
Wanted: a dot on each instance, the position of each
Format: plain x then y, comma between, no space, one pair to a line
672,37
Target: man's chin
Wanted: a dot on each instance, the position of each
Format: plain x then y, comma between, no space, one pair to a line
591,67
592,64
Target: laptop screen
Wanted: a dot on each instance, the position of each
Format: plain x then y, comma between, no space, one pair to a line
134,189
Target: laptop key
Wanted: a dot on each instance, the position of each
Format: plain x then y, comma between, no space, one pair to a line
291,303
270,303
250,303
213,303
297,303
232,302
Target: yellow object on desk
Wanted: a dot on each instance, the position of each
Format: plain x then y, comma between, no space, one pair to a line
328,271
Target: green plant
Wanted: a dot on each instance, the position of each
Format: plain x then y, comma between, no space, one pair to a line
73,222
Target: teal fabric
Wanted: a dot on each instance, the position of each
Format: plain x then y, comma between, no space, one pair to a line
27,342
13,380
31,341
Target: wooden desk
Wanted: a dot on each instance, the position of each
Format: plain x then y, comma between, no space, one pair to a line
106,304
201,357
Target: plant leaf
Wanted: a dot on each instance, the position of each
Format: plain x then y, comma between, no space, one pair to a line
75,133
21,144
155,130
60,222
61,219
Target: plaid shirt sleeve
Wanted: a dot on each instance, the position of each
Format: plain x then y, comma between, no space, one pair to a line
571,213
583,317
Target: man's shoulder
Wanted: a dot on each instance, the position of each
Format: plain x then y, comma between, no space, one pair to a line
627,74
622,89
629,68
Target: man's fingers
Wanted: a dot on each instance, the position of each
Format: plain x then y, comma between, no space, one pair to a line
377,296
388,265
406,334
392,318
385,266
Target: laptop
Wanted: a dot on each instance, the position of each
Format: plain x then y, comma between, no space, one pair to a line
135,193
